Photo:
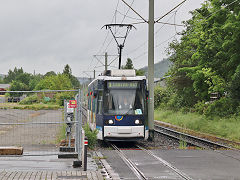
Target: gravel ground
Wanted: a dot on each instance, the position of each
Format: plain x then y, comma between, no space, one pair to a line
29,135
160,142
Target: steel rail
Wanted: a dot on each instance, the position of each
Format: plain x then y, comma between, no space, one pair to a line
84,110
177,171
197,141
201,140
129,163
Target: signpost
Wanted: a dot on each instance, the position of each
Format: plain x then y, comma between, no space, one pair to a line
72,104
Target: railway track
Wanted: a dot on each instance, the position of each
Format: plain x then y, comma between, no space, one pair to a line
192,140
140,173
84,110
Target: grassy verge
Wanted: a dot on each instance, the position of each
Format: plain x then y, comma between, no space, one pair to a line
228,128
32,106
91,135
61,134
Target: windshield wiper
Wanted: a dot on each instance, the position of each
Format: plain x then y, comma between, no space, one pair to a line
128,111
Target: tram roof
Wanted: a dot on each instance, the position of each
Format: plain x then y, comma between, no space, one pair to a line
121,78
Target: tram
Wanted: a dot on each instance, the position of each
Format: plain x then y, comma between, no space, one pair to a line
117,106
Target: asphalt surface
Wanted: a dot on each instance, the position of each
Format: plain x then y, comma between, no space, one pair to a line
41,150
41,163
197,164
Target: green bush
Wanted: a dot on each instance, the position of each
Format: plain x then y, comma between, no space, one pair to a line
201,107
223,107
91,135
161,95
176,102
29,100
63,95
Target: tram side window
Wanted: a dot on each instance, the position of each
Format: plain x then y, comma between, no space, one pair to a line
93,104
100,102
108,106
89,102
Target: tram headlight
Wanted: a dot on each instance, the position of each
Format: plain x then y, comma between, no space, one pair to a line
137,121
110,121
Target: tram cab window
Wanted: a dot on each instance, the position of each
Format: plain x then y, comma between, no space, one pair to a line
124,101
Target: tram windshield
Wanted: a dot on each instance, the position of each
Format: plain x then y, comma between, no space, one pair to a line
123,98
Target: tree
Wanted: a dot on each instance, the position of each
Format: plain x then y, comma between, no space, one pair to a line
17,86
34,81
50,73
207,56
140,72
129,64
1,80
68,71
58,82
12,75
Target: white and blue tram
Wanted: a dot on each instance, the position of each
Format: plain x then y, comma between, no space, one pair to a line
117,106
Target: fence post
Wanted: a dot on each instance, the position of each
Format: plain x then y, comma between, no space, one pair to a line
85,154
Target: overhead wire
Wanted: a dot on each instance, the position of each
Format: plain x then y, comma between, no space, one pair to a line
105,39
118,28
141,45
164,23
178,33
155,47
114,17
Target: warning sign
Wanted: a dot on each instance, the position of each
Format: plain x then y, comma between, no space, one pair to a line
72,104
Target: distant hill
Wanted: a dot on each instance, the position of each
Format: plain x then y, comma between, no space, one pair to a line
160,68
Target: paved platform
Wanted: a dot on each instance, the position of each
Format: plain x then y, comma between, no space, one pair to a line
45,167
50,175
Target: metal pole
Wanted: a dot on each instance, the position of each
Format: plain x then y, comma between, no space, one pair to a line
94,74
151,70
106,61
120,56
80,123
76,127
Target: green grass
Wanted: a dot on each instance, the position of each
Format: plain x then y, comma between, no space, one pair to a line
182,144
91,135
228,128
61,134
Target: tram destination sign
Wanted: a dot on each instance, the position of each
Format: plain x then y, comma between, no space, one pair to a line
132,85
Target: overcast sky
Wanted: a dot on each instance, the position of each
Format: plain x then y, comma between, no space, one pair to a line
45,35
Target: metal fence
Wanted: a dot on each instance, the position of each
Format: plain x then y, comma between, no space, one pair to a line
37,124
